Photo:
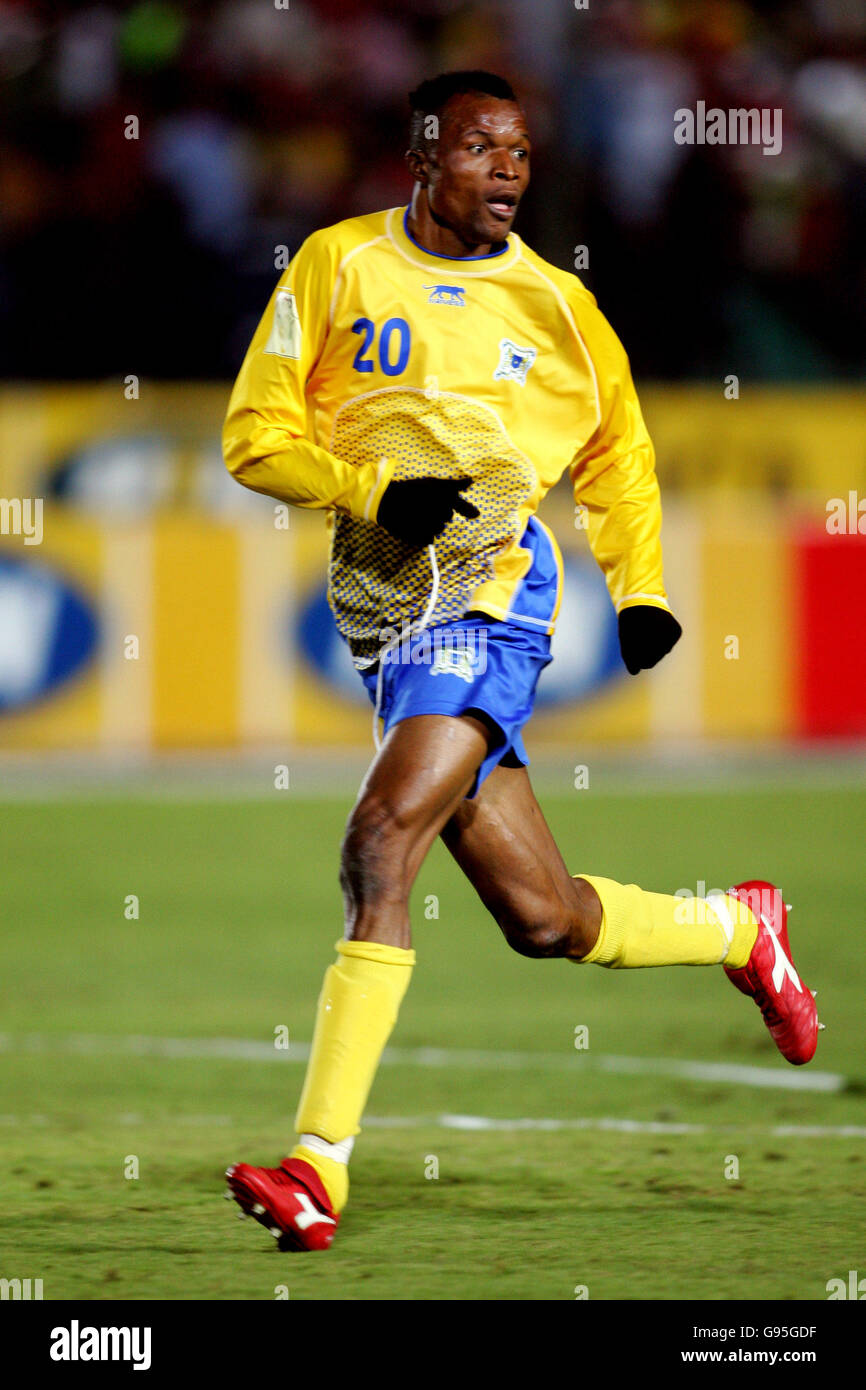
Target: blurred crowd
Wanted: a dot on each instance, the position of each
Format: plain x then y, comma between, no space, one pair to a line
155,157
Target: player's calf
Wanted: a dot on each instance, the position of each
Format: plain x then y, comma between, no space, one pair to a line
546,927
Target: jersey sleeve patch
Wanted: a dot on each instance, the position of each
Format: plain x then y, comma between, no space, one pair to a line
285,336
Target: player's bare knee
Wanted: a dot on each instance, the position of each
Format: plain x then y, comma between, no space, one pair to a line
548,927
584,918
370,858
539,939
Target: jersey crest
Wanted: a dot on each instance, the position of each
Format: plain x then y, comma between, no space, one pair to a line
514,362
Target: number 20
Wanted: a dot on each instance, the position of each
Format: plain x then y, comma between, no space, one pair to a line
362,363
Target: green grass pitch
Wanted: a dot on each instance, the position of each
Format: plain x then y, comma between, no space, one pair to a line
238,912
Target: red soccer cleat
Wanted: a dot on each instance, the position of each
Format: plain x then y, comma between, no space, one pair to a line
290,1201
788,1008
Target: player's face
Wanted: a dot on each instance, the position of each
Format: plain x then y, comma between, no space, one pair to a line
479,169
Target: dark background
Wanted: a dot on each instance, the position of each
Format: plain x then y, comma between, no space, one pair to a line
258,125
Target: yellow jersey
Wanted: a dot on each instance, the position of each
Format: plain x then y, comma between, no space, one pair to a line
377,360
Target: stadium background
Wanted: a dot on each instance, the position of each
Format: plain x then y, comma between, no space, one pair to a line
132,273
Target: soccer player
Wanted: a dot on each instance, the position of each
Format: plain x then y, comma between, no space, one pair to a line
425,378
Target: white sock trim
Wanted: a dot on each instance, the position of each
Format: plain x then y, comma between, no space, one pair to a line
719,907
340,1153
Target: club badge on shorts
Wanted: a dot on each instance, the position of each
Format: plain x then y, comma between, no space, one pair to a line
459,653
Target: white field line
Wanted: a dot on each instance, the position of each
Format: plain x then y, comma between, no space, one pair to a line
487,1124
607,1123
464,1059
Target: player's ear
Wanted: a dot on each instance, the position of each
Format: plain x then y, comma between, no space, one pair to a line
418,166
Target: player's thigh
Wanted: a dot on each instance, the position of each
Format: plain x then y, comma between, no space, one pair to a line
505,847
425,767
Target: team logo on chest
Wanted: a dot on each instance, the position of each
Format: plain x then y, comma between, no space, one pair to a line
447,294
514,362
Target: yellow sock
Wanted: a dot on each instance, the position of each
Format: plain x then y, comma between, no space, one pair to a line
334,1174
357,1010
641,929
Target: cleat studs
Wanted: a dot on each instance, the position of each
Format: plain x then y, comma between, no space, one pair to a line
228,1196
821,1027
275,1231
242,1216
789,907
814,993
258,1209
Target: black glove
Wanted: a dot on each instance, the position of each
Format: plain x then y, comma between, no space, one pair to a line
418,510
646,634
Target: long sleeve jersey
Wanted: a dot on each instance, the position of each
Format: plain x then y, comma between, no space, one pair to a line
377,360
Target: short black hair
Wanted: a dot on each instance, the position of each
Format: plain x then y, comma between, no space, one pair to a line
431,96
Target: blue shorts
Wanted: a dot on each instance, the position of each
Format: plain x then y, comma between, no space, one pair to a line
474,664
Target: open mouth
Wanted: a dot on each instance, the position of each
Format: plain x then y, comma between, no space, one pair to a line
503,206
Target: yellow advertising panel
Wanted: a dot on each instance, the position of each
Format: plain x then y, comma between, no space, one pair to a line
160,606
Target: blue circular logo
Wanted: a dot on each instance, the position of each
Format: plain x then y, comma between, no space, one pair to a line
48,632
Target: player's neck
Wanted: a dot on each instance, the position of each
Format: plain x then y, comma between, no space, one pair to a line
438,238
